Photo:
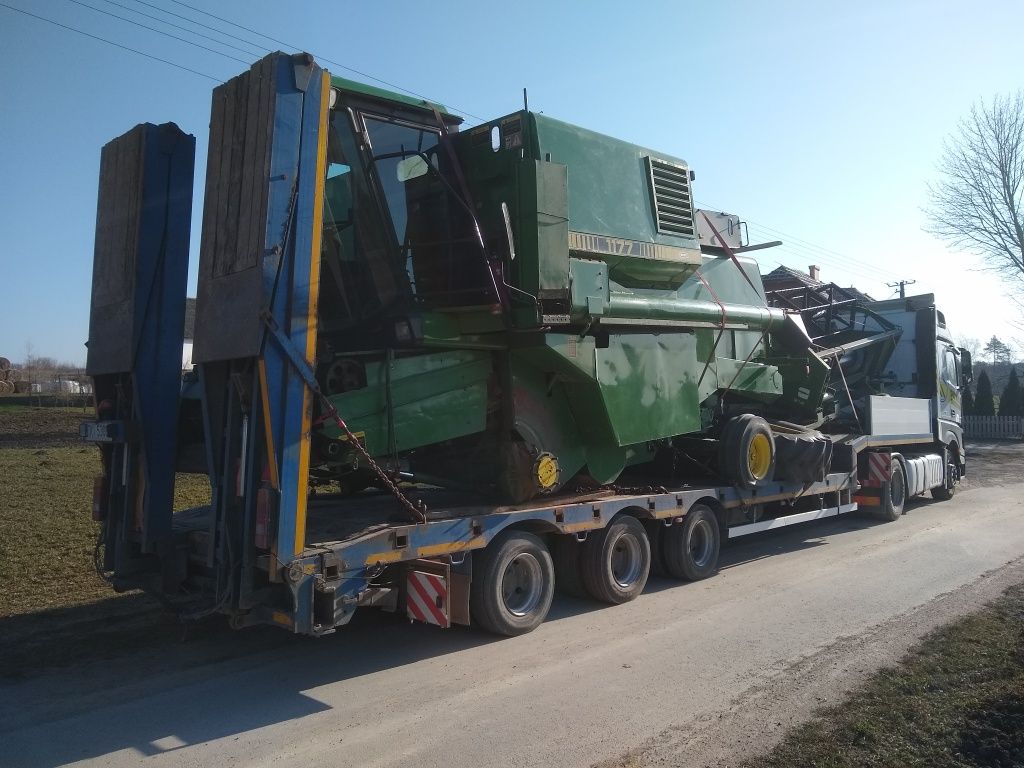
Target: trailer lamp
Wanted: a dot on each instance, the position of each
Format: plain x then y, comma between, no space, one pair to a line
333,98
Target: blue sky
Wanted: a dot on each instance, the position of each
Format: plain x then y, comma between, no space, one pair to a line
821,121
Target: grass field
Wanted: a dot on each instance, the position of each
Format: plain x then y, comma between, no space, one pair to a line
47,534
957,700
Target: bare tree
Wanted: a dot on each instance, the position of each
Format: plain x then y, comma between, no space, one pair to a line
977,204
971,344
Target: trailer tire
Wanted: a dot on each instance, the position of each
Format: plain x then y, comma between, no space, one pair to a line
616,561
656,536
747,451
894,495
566,552
691,548
513,584
942,492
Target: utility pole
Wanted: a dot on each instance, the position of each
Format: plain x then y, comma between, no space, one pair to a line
902,285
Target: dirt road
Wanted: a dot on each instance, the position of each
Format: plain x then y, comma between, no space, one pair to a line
697,674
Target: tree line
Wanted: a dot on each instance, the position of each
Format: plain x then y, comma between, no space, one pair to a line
984,403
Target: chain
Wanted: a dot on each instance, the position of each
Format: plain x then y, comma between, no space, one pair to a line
418,510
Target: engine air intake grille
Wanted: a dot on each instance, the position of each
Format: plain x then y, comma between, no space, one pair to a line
673,207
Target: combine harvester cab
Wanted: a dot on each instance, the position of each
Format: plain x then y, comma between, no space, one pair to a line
437,371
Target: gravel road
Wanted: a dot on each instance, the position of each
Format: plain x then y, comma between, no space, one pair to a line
689,674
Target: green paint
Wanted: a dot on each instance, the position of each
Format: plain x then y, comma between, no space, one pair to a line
606,345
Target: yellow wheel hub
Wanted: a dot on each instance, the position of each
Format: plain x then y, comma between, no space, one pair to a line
546,471
759,456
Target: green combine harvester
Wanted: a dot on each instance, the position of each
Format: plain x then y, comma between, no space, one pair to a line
526,302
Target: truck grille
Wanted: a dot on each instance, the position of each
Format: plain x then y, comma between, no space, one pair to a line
673,207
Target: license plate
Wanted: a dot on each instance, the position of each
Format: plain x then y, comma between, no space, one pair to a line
100,431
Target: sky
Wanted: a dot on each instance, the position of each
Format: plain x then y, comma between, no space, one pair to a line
820,124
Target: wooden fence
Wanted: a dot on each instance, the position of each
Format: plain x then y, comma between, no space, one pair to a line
997,427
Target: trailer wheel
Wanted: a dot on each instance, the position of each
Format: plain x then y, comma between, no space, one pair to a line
567,566
513,584
747,451
894,495
691,549
942,492
656,536
616,561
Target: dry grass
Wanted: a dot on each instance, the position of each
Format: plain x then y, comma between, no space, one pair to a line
47,534
957,700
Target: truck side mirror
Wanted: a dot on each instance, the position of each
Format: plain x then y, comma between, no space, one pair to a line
965,367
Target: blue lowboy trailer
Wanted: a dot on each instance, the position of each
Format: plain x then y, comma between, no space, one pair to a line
271,546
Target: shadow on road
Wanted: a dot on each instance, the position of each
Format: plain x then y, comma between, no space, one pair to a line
206,690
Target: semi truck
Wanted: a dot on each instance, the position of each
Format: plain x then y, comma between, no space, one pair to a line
443,371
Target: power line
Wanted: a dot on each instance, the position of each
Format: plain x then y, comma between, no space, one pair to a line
901,286
820,253
854,267
322,58
185,29
111,42
828,251
261,48
160,32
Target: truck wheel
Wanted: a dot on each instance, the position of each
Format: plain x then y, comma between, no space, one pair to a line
942,492
616,561
747,451
894,495
513,584
691,549
567,566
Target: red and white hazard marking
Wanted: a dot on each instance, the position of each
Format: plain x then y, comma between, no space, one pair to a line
426,598
879,468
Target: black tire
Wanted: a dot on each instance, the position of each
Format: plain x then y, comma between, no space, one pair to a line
566,551
656,536
942,492
894,495
735,446
616,561
804,457
513,584
691,548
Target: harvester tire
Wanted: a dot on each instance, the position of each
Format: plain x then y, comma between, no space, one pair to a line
513,584
894,495
691,547
747,451
566,551
616,561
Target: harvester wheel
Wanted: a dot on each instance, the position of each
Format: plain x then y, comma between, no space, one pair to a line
513,584
747,451
691,548
894,495
616,561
